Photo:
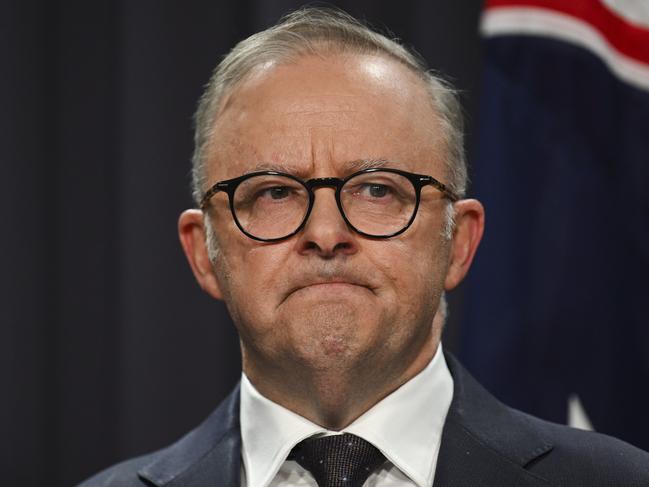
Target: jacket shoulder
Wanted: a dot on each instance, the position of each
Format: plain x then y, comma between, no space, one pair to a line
581,457
124,474
504,443
209,451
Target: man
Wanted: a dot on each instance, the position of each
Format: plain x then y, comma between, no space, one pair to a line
330,176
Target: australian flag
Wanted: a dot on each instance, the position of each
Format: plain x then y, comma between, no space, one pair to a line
556,321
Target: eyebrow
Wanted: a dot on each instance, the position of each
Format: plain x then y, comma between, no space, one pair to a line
275,166
360,164
348,167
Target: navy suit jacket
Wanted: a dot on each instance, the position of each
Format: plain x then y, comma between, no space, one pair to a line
484,444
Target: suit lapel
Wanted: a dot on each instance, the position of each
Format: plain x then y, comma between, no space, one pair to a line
465,462
208,455
485,443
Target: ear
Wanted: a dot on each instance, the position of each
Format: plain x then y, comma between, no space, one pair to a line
191,231
469,226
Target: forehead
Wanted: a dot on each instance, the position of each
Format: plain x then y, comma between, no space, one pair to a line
323,114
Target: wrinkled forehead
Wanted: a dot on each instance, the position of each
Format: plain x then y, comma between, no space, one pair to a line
324,110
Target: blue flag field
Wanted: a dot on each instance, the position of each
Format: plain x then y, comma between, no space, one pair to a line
557,304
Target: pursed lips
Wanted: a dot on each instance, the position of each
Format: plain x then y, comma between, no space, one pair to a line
331,284
328,284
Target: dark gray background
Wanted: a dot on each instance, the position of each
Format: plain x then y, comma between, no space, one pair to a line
108,347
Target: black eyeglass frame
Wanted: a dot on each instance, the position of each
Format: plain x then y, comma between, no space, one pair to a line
418,181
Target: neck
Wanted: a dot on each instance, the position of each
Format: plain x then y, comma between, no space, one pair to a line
335,396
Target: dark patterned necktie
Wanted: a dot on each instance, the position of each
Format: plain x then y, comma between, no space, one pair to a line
338,460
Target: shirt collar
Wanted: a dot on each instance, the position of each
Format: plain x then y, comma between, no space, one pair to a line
268,434
406,426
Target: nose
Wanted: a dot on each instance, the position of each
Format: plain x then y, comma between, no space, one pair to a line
326,234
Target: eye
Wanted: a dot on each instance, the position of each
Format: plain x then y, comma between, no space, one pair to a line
265,191
377,190
276,192
373,190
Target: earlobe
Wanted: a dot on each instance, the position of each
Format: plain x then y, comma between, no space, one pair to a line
469,218
191,231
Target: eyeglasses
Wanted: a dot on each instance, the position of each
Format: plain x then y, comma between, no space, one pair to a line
379,202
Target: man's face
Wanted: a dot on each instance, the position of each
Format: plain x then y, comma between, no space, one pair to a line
328,299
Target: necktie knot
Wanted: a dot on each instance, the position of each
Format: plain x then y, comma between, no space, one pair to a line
338,460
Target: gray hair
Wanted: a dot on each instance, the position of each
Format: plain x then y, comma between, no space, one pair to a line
317,31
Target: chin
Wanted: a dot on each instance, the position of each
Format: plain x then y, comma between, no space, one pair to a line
338,347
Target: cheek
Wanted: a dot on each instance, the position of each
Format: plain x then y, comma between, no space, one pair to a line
404,261
250,277
415,273
247,303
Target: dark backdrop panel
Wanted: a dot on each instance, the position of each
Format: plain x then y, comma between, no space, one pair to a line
109,349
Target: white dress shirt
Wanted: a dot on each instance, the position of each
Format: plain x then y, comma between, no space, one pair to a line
406,426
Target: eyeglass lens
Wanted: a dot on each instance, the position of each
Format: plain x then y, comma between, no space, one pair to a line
274,206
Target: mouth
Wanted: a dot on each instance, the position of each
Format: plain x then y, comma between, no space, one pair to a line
332,288
336,285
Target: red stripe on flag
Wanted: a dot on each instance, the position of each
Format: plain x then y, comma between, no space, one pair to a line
627,38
